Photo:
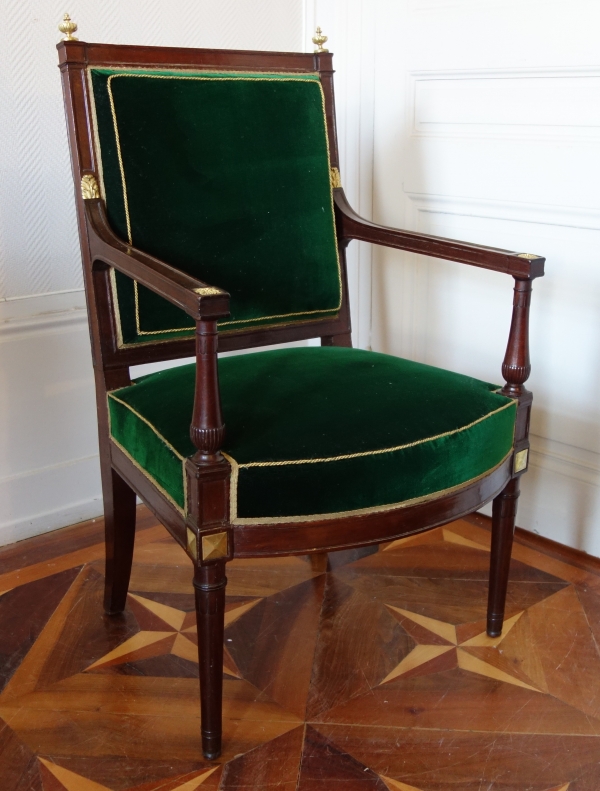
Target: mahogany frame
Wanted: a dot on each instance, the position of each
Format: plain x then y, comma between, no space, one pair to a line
208,473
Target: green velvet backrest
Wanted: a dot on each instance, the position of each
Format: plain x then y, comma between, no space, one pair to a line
227,177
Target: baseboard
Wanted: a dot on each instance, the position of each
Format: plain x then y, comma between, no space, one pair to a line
38,501
560,495
37,525
41,313
574,557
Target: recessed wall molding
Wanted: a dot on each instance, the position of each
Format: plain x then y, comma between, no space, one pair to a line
38,501
440,5
515,211
536,103
54,322
578,463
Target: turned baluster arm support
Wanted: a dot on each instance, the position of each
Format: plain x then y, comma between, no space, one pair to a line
207,429
516,366
516,369
207,471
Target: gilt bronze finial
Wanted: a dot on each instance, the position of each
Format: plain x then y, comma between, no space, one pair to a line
319,39
68,27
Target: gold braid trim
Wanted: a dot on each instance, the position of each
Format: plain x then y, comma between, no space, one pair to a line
376,509
376,452
238,77
235,472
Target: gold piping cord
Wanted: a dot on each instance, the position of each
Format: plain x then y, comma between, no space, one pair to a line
375,452
183,76
236,467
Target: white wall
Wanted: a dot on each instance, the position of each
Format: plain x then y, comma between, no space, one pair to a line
487,128
49,474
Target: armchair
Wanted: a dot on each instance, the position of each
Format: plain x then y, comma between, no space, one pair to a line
212,218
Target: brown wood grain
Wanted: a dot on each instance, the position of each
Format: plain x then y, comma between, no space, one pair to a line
325,764
513,713
274,765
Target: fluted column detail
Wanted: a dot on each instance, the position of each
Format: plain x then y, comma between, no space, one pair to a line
207,429
516,366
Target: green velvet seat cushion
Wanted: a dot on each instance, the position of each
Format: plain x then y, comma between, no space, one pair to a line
227,177
316,431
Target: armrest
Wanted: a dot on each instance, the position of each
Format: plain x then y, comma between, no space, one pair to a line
520,265
197,299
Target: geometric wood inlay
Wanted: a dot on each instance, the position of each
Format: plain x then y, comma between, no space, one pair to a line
424,653
396,785
376,674
469,662
454,538
70,780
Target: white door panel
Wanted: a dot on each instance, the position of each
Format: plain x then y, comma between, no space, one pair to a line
487,129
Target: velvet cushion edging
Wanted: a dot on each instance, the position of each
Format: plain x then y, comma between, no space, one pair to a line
322,430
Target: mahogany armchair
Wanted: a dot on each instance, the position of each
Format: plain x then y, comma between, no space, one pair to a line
212,218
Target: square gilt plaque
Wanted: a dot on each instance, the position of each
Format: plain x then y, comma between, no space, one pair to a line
520,462
214,546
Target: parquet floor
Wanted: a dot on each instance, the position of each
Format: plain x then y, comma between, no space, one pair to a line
376,675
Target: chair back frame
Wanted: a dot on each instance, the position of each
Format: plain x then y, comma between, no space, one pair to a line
75,59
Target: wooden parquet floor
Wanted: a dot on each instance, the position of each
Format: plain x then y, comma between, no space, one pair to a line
374,675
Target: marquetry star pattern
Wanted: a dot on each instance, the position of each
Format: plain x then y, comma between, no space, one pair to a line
396,785
71,781
438,648
326,674
167,630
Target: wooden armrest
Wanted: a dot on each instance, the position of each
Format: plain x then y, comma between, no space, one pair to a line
523,266
199,300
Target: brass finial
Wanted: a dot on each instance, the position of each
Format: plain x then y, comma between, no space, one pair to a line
319,39
68,27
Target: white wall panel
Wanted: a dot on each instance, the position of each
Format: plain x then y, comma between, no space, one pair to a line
49,472
508,102
350,26
487,129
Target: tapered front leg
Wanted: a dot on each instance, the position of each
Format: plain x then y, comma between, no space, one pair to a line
119,526
210,582
503,528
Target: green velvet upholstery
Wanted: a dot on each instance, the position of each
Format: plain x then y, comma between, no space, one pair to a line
225,176
321,430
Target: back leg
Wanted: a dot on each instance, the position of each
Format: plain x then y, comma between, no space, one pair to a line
504,511
119,526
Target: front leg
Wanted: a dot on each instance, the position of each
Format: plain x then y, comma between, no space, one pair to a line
209,540
503,528
515,369
209,584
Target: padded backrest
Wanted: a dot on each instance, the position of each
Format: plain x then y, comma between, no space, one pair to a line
227,177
